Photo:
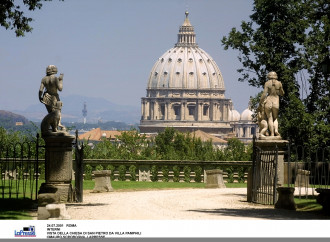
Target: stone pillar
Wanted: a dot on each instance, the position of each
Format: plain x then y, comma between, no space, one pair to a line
147,109
270,145
152,112
144,117
102,181
221,110
142,109
214,179
211,112
58,167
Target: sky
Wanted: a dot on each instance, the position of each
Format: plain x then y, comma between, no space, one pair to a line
107,48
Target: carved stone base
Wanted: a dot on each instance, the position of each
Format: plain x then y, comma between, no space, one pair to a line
270,137
285,198
62,190
214,179
324,199
102,181
270,145
58,167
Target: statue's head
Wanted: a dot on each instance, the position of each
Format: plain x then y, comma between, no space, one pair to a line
51,69
272,75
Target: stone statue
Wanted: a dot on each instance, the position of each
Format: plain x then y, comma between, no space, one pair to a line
48,95
269,107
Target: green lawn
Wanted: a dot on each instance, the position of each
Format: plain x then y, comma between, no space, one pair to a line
307,204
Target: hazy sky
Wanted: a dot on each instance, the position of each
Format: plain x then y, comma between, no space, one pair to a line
106,48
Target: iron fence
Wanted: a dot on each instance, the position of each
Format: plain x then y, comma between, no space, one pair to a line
307,170
264,178
19,170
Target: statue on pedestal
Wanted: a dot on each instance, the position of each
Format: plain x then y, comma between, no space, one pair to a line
48,95
268,108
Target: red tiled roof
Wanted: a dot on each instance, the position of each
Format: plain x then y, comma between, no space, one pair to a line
96,134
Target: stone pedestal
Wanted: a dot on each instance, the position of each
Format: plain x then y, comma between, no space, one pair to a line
324,199
302,178
270,145
58,167
214,179
102,181
43,200
285,198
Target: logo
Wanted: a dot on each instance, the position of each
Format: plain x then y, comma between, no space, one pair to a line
26,232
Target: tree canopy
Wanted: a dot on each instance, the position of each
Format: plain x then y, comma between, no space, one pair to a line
290,37
13,17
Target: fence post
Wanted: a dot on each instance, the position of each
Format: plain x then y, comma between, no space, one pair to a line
79,158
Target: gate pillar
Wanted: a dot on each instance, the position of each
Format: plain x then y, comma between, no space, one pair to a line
58,167
270,145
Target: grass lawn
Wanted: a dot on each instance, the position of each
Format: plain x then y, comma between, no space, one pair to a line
135,185
307,205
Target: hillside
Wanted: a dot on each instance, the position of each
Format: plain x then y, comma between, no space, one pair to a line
9,120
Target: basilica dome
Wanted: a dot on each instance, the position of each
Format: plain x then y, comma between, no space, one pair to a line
246,115
186,90
234,115
186,66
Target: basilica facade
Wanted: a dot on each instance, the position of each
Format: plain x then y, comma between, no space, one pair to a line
186,91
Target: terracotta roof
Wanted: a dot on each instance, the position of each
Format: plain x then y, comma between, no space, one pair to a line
205,137
96,134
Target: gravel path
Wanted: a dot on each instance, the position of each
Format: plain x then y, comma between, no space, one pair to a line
178,204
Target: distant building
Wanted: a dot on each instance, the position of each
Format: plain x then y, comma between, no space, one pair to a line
97,135
19,123
186,91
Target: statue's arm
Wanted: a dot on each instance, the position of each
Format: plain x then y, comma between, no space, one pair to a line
60,82
41,90
264,94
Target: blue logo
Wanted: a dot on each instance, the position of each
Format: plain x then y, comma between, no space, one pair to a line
26,232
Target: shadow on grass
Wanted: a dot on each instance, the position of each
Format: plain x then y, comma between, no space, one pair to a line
17,209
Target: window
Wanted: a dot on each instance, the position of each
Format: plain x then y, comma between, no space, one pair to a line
205,110
162,109
191,110
177,110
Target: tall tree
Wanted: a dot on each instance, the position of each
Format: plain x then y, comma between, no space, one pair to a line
276,39
12,16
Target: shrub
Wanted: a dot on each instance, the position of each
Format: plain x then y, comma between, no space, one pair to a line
112,169
99,168
230,174
198,174
166,172
154,173
122,173
88,172
187,171
132,172
241,173
176,173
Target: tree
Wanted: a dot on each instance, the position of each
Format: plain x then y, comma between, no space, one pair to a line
12,17
283,36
